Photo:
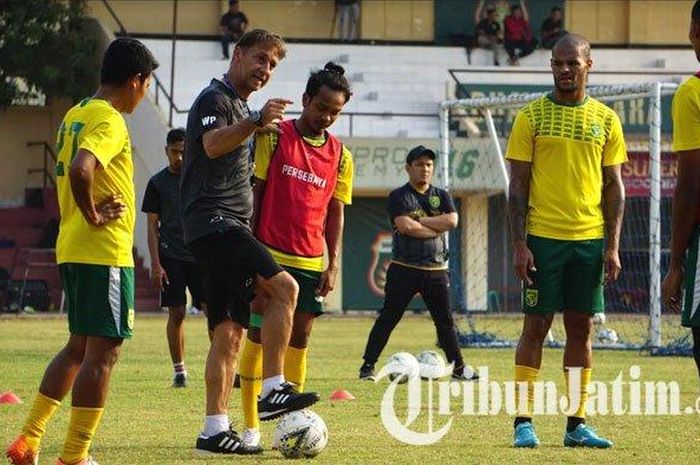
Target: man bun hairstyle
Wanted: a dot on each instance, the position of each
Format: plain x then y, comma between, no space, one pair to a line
125,58
331,76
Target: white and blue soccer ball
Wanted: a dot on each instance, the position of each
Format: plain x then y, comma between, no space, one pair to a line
403,366
607,336
432,364
300,434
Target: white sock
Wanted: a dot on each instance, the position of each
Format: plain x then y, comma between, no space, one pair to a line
269,384
179,367
215,424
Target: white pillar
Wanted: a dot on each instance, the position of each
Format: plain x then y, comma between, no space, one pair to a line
475,237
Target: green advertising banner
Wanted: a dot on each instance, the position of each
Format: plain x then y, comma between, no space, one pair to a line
380,163
367,254
634,114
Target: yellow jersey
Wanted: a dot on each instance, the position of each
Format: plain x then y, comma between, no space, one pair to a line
265,146
686,116
567,145
94,125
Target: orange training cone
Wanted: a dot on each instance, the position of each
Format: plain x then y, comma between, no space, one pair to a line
341,394
10,397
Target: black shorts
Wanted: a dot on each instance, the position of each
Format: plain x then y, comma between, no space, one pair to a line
231,260
181,275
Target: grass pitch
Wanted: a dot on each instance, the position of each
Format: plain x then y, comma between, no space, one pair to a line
148,422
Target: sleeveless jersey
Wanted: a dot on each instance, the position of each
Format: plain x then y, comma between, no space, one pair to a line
300,183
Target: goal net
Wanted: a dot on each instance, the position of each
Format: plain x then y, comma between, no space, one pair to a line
490,295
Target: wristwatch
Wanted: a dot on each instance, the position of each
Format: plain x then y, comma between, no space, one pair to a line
255,117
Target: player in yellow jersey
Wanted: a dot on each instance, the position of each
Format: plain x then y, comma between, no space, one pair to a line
303,181
94,178
685,222
566,195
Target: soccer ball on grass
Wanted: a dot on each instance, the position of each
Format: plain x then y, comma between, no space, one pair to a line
403,366
301,434
432,365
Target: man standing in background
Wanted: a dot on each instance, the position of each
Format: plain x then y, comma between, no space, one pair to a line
566,202
233,25
347,15
173,269
421,215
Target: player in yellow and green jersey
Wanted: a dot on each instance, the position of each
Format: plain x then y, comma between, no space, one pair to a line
303,181
566,196
685,223
94,178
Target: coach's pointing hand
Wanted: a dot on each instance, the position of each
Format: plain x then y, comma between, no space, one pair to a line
273,111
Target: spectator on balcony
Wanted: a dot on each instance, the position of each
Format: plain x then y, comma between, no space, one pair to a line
489,33
347,16
519,41
233,25
552,28
173,269
502,8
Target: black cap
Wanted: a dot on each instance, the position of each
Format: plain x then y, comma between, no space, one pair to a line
420,151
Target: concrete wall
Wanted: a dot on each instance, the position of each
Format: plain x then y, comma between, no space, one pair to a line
155,16
19,125
300,19
635,22
602,21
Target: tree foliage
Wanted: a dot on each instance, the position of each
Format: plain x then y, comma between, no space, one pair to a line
46,47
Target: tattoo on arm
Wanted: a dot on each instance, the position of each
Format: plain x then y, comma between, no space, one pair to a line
613,203
518,199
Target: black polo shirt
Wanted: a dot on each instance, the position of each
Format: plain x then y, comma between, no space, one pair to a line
215,194
161,197
412,251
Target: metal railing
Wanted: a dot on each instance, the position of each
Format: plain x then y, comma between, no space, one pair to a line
351,115
115,17
160,88
172,106
453,72
46,171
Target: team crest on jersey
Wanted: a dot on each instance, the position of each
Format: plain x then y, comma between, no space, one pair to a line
596,130
379,263
434,201
531,296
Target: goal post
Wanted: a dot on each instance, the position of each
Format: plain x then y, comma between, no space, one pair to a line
484,109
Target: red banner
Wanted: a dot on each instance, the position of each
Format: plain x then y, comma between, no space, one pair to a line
637,178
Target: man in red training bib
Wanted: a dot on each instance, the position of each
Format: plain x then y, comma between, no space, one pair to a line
303,181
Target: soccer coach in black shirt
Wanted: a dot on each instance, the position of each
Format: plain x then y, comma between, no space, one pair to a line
421,214
216,202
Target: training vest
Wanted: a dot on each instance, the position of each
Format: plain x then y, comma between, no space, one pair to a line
300,182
